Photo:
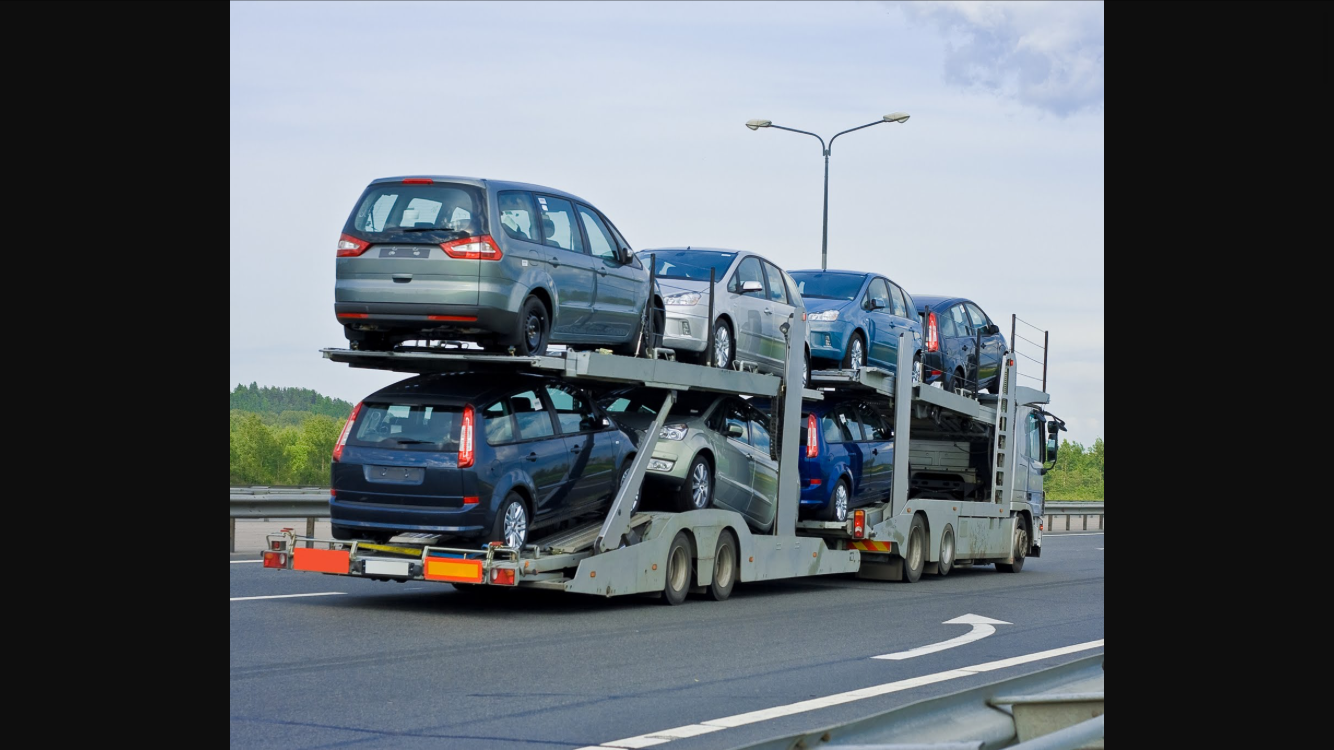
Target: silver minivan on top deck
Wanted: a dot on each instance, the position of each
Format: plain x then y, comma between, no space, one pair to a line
500,264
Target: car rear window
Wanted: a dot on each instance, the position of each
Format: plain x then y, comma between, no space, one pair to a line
413,427
392,211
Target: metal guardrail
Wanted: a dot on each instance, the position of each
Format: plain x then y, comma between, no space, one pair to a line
1070,510
309,503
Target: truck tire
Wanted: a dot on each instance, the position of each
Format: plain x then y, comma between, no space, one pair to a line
725,567
914,551
1020,551
946,562
679,570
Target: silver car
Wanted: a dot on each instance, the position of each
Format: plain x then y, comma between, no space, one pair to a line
752,298
501,264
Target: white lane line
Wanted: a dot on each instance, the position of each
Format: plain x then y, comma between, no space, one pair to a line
286,596
238,562
982,627
1050,535
728,722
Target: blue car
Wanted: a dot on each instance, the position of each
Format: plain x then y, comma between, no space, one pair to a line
953,326
855,318
846,458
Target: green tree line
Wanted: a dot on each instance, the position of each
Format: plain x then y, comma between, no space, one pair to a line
1077,474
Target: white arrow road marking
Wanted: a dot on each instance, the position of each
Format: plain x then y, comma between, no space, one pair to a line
714,725
982,627
285,596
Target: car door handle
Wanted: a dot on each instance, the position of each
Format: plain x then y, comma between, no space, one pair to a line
577,448
602,271
530,457
875,451
768,311
749,457
555,261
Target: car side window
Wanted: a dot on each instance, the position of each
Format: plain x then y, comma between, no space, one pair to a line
980,320
736,425
959,319
516,215
759,430
876,290
558,227
531,416
573,411
497,423
777,290
600,241
847,417
908,301
873,424
749,270
834,430
896,298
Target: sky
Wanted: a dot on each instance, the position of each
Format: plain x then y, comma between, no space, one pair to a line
992,190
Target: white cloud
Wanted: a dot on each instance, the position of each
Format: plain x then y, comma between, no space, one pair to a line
1047,55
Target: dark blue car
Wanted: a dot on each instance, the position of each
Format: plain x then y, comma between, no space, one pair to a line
855,318
846,458
486,457
953,326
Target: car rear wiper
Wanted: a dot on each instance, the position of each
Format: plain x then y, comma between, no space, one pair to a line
413,441
431,229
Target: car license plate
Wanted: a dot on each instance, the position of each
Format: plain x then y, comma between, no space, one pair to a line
387,568
405,252
404,474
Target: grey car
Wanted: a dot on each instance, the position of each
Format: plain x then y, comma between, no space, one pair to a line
715,451
753,297
501,264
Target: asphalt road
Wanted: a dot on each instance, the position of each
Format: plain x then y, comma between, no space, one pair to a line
420,665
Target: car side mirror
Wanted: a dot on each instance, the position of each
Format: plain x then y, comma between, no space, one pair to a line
751,286
877,303
734,431
993,329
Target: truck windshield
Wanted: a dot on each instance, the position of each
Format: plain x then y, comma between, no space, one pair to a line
693,265
826,285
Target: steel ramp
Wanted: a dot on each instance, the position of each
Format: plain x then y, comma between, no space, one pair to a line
581,538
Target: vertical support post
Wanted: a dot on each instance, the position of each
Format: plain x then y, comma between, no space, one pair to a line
977,384
649,308
617,521
1014,342
233,535
1045,334
902,414
824,232
709,360
789,437
310,526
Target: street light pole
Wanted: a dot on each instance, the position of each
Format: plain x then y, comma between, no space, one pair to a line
826,149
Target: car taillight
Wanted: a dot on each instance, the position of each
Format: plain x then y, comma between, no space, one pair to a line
502,576
481,247
418,181
347,428
351,246
932,334
466,455
275,559
812,440
859,524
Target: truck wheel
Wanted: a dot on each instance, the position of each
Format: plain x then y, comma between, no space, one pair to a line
724,567
678,570
697,490
1020,547
914,556
946,563
837,507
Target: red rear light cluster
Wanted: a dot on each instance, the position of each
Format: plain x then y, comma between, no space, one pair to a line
932,334
349,246
466,455
275,559
347,429
859,524
502,576
419,181
481,247
812,439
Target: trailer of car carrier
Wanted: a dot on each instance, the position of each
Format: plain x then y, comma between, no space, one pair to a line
705,550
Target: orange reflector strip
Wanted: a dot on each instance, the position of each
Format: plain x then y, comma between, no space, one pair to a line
447,569
321,560
870,546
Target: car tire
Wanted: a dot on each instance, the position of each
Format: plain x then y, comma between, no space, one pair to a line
806,370
724,345
830,511
625,474
856,344
696,491
1020,549
534,328
678,569
511,524
726,566
914,550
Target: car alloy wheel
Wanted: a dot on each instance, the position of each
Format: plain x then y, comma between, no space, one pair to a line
699,485
840,501
516,525
722,347
856,355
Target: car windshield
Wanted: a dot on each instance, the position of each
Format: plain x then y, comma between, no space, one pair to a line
407,427
825,285
649,400
690,264
394,208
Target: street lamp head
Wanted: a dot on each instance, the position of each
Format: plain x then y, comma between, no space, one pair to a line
757,124
897,117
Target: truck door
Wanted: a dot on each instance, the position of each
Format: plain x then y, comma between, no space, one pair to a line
1029,482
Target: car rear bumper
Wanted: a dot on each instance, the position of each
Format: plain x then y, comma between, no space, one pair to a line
456,319
463,521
